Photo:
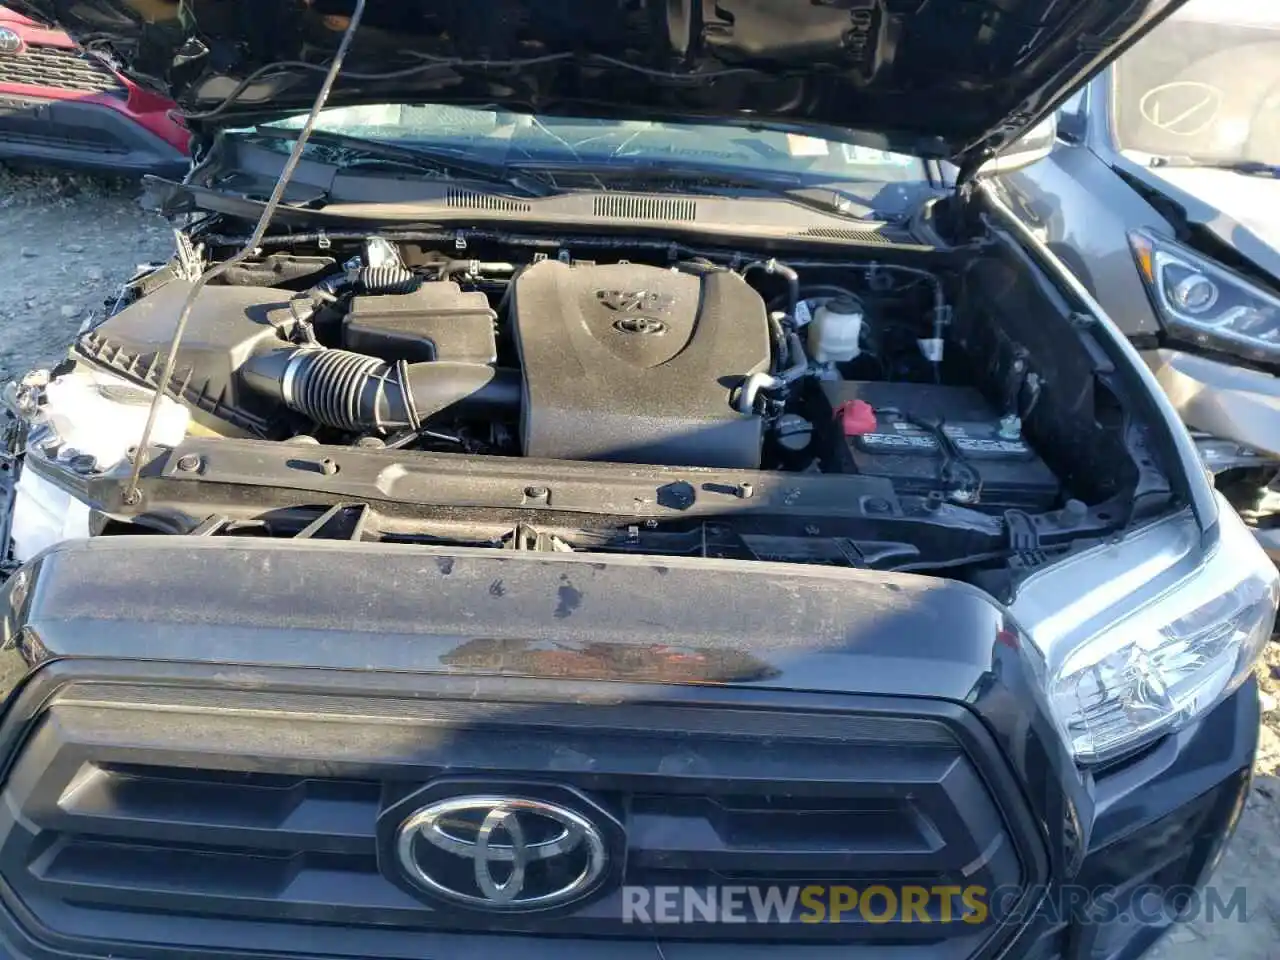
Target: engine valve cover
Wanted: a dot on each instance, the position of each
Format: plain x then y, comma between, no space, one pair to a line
637,364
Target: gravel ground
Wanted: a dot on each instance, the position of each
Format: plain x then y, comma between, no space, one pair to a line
66,242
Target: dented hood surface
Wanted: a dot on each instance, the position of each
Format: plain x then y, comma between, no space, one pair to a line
942,78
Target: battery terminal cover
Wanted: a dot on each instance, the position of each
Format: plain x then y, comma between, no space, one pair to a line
935,438
856,418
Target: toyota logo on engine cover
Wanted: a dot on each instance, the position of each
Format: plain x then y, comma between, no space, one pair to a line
648,326
502,853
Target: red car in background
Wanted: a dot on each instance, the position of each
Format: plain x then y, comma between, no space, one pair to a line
61,106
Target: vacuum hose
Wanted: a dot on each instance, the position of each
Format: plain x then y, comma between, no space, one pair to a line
745,401
353,392
784,271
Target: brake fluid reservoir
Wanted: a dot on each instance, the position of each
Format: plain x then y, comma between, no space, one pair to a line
836,330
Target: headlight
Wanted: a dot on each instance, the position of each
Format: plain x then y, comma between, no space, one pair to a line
1205,302
83,420
1157,634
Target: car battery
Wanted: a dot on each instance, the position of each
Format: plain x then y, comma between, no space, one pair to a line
901,446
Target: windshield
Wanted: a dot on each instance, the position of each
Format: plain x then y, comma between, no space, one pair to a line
1203,88
889,183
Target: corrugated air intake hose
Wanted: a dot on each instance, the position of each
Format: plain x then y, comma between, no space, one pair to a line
354,392
385,279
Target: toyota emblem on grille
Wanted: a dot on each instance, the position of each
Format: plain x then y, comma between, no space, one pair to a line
10,42
502,854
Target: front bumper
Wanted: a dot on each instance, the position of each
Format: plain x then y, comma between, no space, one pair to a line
361,668
94,133
1221,399
1234,411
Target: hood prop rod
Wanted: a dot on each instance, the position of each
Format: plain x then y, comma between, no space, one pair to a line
132,492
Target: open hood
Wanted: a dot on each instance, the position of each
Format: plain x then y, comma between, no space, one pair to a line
940,78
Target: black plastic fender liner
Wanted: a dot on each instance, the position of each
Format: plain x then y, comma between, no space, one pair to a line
354,392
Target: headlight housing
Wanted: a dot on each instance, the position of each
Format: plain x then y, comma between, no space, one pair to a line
1159,633
79,423
1205,302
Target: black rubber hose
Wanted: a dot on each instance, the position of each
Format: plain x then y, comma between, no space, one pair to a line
780,356
784,271
353,392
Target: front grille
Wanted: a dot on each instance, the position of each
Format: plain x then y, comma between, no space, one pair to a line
60,68
239,811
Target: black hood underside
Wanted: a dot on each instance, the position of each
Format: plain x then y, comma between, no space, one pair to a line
943,78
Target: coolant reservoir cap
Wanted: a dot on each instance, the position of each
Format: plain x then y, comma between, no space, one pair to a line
856,417
844,305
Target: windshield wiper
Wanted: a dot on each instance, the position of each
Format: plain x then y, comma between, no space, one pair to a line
691,177
1251,168
421,158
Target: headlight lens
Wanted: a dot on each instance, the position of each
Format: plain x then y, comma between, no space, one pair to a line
1158,662
1205,302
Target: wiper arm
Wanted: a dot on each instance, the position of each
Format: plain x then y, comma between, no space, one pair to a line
424,158
658,170
1251,168
687,177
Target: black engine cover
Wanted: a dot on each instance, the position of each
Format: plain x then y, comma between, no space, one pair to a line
637,364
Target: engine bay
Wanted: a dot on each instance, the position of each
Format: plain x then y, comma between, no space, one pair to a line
626,362
802,409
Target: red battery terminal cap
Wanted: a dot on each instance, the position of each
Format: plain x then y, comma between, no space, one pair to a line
856,418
